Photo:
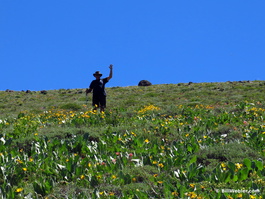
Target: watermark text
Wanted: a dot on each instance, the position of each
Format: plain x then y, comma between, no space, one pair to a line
237,191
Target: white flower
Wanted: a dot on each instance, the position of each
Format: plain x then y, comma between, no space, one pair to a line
2,122
3,140
61,166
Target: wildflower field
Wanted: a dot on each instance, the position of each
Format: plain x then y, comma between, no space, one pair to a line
202,140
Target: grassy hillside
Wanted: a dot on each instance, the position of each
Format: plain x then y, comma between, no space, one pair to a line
195,140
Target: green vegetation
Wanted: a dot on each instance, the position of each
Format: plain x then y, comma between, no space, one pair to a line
203,140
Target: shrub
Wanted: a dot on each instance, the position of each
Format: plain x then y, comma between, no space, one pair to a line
232,152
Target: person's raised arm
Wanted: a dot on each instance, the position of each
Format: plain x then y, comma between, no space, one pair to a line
110,73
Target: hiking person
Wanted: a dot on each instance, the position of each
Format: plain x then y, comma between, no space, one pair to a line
98,88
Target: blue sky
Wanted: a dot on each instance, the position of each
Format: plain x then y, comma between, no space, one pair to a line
48,44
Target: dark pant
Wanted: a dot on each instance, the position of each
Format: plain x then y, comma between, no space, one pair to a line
99,101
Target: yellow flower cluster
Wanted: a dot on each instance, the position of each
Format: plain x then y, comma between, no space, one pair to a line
148,108
62,116
191,195
201,106
238,166
256,112
161,165
223,165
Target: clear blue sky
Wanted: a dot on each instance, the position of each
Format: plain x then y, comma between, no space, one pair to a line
59,44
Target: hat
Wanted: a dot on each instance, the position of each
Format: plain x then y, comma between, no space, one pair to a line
97,73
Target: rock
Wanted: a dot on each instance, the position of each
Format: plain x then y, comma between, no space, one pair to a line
7,90
43,92
144,83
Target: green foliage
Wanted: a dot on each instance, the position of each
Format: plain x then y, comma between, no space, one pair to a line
229,152
71,106
162,141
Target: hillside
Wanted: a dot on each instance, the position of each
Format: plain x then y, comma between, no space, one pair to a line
186,140
132,97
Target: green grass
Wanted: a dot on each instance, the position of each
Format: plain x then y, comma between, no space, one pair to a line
163,141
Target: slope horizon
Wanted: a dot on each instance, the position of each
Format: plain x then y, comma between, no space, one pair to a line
23,90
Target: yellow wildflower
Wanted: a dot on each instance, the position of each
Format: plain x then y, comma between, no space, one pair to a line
238,165
192,185
223,165
111,193
19,161
24,169
174,193
154,162
82,177
192,194
133,134
161,165
148,108
18,190
146,141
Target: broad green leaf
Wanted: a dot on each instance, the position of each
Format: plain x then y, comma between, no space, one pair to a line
227,177
235,178
193,160
189,148
48,186
78,171
244,174
247,162
231,166
259,165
